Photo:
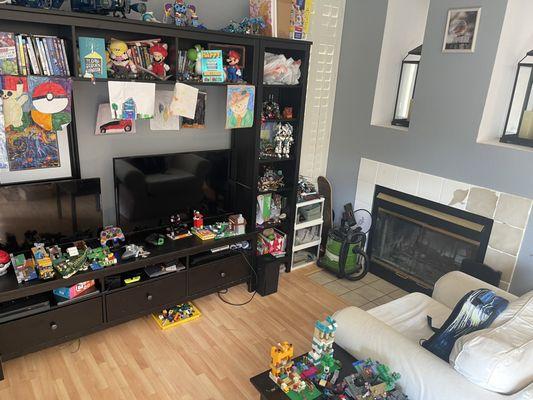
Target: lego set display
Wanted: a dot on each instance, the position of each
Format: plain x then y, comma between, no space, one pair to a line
178,315
316,374
217,64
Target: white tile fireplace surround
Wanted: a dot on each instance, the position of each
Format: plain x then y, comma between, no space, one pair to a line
510,213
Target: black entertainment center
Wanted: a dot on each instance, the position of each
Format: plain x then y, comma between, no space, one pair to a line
32,323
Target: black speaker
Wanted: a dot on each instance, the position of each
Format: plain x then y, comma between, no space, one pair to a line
267,278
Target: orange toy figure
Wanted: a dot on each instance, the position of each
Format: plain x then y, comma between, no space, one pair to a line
281,355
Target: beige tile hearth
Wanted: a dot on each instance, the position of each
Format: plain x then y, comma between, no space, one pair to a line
336,287
367,293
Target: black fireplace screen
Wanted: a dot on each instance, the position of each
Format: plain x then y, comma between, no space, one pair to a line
422,252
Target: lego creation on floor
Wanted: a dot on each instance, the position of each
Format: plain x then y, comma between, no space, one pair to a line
178,315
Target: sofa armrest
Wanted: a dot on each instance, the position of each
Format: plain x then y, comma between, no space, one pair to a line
130,176
192,163
450,288
423,375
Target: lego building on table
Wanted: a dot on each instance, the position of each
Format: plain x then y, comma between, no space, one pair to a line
323,338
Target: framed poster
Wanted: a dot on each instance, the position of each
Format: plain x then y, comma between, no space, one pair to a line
38,136
461,30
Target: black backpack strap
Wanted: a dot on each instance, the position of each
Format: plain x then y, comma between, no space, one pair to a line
430,323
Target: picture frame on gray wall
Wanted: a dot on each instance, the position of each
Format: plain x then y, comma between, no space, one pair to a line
461,30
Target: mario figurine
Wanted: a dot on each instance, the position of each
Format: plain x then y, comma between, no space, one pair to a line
50,100
233,70
159,52
198,220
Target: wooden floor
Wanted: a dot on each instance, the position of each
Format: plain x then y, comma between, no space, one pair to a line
210,358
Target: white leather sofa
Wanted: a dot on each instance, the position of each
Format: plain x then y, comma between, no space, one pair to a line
391,333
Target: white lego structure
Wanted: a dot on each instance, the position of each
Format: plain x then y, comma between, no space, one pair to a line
323,338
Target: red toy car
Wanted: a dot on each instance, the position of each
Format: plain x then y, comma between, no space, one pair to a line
123,125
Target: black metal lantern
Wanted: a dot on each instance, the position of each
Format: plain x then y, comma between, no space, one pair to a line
406,87
519,124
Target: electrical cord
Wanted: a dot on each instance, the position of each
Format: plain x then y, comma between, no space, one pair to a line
225,291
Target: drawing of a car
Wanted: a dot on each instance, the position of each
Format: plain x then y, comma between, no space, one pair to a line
123,125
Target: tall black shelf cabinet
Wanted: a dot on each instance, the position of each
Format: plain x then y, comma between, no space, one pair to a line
113,305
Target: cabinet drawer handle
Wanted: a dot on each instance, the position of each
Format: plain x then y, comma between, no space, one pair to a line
53,326
149,297
222,274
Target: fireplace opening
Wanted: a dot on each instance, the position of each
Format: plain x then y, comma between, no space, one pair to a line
415,241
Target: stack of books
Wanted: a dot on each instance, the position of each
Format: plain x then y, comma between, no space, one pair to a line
32,55
139,51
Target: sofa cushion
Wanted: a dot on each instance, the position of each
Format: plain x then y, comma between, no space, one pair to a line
500,358
408,315
171,182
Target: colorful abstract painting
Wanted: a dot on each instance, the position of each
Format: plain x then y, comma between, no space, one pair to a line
3,151
32,148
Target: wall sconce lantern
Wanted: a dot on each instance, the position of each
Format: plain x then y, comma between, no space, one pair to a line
519,124
406,87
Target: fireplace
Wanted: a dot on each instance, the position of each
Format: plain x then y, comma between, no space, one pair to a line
414,241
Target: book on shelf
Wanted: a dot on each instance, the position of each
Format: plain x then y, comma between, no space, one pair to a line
283,18
8,54
92,57
22,54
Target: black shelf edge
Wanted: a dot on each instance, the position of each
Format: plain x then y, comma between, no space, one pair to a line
104,80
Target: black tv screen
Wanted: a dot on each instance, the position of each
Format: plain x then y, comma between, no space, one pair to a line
149,189
57,212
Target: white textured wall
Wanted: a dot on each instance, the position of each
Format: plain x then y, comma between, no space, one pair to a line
404,30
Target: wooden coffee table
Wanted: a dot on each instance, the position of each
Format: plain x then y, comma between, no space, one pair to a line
268,390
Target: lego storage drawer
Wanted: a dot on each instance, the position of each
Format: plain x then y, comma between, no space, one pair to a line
145,297
27,334
218,273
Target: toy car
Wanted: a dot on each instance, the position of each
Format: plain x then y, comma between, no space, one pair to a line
125,125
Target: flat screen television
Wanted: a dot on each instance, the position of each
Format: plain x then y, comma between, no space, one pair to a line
149,189
56,212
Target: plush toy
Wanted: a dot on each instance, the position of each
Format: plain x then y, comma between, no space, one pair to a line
120,62
194,55
233,71
159,52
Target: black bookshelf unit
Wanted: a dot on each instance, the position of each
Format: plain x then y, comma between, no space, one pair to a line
201,275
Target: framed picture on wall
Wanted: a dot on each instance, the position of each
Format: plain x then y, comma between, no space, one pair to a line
461,30
37,135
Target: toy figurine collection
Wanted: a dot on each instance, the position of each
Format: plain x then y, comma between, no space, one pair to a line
270,180
316,374
283,140
144,58
271,110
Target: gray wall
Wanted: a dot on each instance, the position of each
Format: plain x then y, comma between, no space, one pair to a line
97,152
450,97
